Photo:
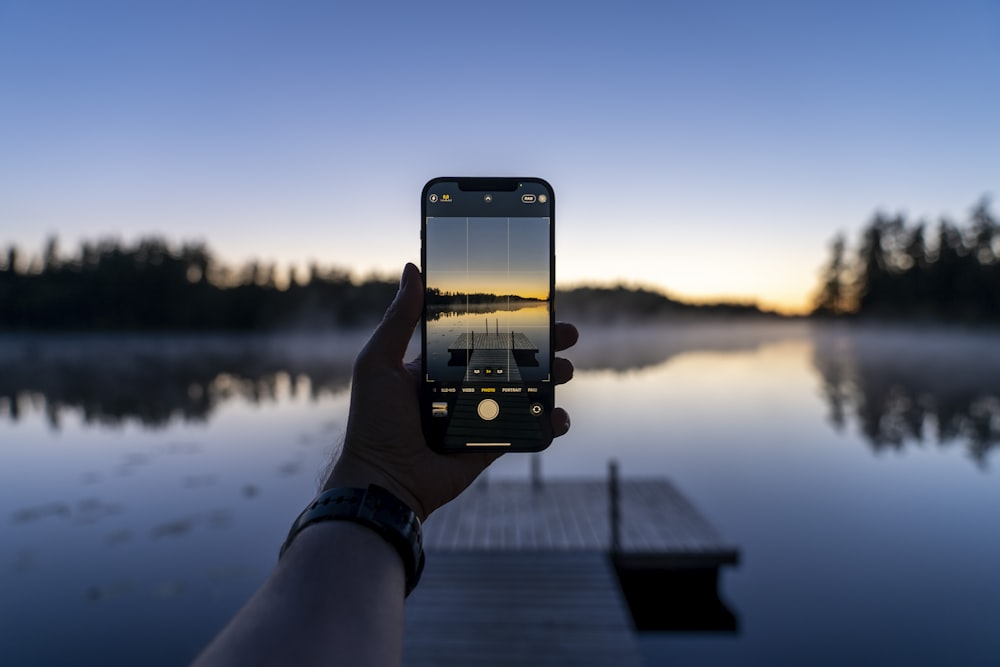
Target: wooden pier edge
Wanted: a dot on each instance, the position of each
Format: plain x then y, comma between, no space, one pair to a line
519,608
677,561
645,519
564,572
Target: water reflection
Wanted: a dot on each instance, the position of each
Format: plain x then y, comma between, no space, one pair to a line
903,387
627,348
109,380
898,386
120,530
156,379
30,514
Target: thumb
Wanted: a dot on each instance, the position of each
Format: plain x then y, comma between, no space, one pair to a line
389,341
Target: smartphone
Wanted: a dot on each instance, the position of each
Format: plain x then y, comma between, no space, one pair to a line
488,262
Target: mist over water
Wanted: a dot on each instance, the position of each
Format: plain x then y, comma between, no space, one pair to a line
146,482
158,378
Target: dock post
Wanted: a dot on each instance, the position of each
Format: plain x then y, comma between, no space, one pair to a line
613,508
536,471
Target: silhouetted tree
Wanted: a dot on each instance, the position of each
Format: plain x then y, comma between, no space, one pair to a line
832,298
899,275
152,285
51,257
873,278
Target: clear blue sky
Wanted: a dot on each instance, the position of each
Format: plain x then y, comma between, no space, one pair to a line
708,148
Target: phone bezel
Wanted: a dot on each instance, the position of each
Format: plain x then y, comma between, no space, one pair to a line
486,184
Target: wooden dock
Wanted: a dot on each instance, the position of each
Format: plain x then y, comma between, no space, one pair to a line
528,608
522,572
517,344
655,521
493,341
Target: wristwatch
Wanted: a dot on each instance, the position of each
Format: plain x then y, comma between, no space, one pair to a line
376,508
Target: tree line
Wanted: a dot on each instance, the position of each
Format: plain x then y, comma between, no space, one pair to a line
437,297
908,270
154,285
622,303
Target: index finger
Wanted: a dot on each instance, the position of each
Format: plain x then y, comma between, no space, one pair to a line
566,335
389,340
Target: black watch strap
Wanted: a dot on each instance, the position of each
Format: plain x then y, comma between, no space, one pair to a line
376,508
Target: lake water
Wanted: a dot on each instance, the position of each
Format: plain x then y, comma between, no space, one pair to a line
146,483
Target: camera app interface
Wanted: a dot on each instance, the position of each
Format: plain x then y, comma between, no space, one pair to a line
488,314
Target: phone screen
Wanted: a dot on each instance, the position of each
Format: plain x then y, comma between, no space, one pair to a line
489,276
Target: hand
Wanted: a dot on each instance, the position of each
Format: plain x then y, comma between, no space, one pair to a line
384,443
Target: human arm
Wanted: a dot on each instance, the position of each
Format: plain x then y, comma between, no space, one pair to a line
336,597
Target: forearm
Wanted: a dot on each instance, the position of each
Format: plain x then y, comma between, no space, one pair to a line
336,597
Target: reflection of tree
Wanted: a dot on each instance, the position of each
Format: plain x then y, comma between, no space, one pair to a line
155,380
903,387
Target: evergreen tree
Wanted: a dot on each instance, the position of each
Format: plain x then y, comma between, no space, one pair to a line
832,298
953,277
872,283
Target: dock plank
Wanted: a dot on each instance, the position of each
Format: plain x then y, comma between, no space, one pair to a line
655,520
518,608
523,573
493,341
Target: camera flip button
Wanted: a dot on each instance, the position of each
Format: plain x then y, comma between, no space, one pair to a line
488,409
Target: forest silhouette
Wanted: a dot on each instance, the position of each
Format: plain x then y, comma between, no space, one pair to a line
897,273
152,285
436,297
